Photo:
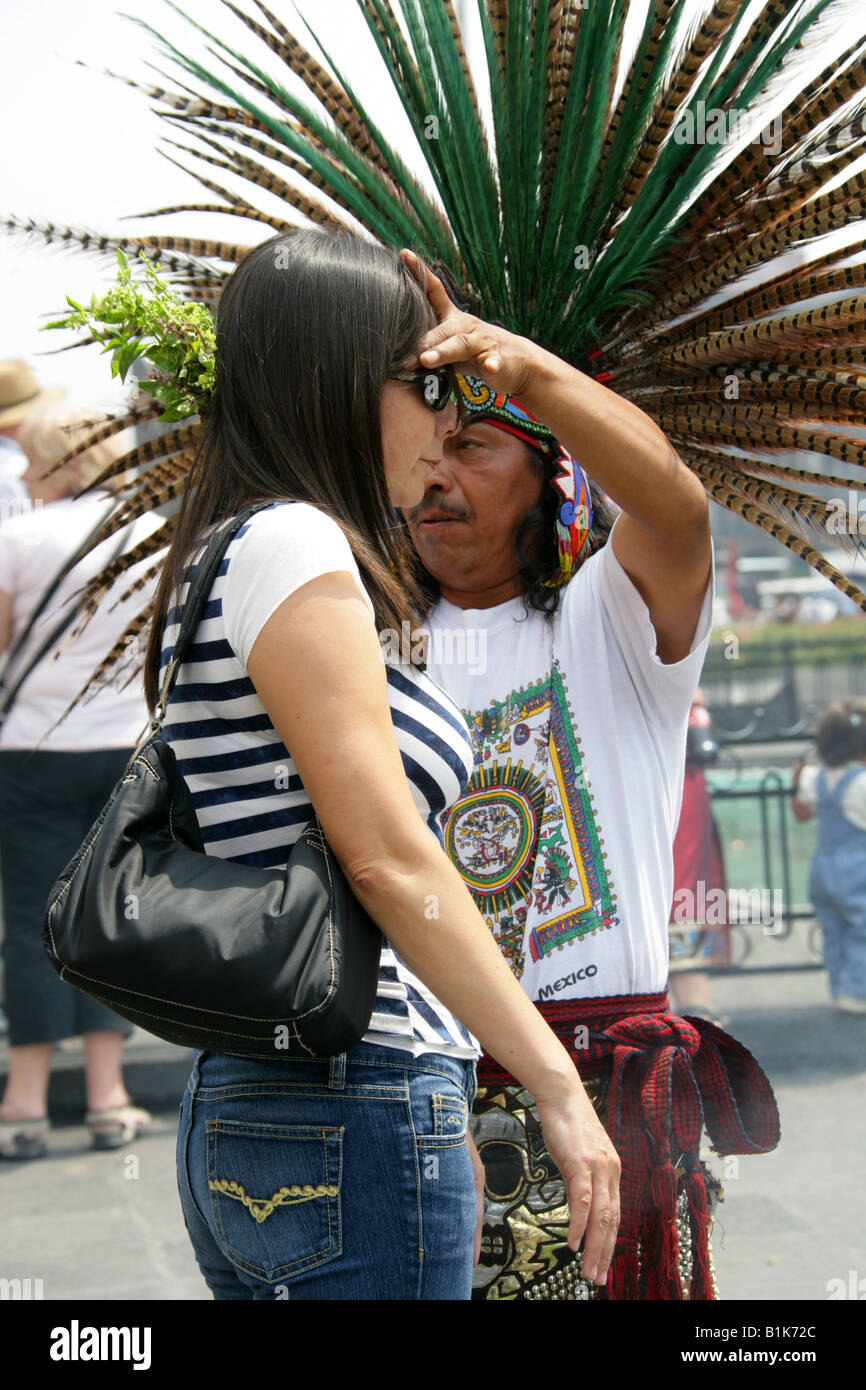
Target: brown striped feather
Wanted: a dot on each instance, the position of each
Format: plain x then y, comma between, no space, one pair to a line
193,105
277,154
263,177
662,17
397,73
233,200
55,234
787,505
767,221
791,287
824,214
247,79
810,327
107,669
147,499
151,545
457,35
711,29
815,164
291,194
792,397
323,87
758,435
762,468
561,46
137,585
114,424
732,500
722,199
734,187
396,180
497,10
174,439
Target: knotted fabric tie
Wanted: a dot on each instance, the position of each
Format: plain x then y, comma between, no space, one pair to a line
669,1077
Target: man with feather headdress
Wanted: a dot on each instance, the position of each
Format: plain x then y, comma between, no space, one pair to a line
593,648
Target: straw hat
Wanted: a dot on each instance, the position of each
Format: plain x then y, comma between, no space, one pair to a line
19,392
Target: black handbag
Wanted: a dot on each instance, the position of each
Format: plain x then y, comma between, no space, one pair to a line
202,951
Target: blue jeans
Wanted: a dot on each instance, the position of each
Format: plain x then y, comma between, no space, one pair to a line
340,1178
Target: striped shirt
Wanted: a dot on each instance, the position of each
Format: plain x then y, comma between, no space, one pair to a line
249,800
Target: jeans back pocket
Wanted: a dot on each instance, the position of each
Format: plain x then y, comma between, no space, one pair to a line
275,1195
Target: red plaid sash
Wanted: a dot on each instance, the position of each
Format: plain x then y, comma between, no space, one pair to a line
669,1076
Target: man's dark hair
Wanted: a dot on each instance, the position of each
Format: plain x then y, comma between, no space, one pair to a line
535,542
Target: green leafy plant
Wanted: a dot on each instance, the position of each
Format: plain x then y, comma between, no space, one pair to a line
175,336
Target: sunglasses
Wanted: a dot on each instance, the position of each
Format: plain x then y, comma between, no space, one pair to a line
438,386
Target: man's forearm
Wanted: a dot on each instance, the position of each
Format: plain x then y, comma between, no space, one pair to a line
617,444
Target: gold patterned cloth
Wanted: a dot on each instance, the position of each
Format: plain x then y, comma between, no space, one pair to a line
524,1250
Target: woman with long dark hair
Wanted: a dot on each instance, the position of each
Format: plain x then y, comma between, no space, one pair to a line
347,1177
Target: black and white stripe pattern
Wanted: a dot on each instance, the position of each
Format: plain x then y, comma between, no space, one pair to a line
251,804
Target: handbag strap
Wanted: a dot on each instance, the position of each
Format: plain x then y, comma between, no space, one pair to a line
205,568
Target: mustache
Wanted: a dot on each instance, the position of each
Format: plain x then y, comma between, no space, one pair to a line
427,509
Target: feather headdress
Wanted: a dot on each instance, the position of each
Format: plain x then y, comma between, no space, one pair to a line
632,215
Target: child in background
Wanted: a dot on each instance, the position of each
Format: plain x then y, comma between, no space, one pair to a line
836,791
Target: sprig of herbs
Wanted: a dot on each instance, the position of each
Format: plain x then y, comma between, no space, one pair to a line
175,336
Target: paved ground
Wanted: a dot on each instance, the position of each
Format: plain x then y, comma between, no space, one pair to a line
94,1226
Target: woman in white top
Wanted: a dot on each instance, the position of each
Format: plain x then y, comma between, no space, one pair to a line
56,774
347,1177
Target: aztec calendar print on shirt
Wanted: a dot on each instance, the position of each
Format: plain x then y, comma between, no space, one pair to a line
524,835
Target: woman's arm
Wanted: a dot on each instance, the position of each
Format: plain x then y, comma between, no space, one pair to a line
317,667
802,810
5,620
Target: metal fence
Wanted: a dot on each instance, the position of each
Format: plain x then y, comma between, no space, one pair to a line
774,691
770,693
767,880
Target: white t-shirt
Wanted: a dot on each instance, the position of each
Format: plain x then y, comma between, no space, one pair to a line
853,798
34,546
577,713
14,497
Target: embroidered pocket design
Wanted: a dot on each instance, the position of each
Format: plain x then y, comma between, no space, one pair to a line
260,1210
298,1227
